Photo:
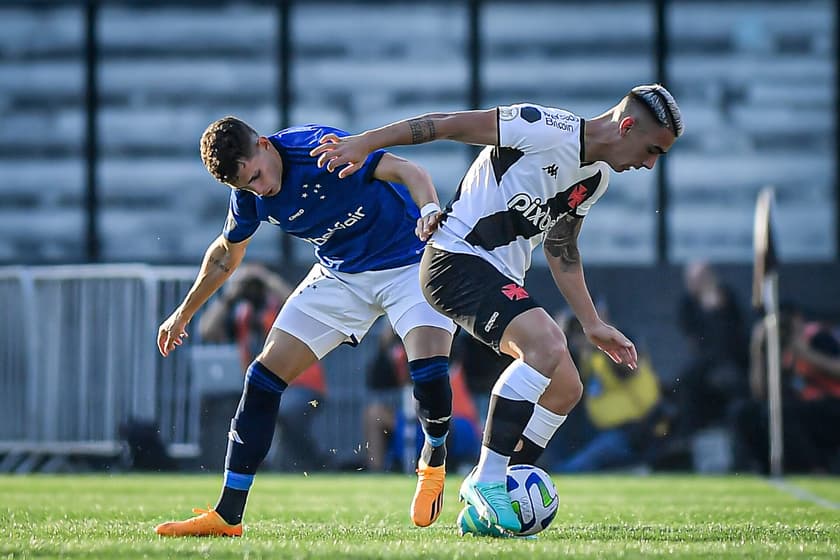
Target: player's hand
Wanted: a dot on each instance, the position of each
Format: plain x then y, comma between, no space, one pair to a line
171,333
614,344
348,153
427,225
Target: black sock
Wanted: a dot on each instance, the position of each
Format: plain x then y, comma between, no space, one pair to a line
433,456
231,505
506,421
528,454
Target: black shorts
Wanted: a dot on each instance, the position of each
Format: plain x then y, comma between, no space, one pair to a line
471,292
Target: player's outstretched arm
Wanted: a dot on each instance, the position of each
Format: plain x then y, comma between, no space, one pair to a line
349,153
220,260
561,251
395,169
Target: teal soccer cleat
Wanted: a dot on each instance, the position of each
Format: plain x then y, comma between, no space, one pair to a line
470,523
491,502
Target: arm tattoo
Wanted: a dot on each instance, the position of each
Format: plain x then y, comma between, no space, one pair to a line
422,130
561,241
220,263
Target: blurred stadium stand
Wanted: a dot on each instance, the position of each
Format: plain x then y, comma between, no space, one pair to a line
755,81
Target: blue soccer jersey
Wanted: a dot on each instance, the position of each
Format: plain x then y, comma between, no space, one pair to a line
356,224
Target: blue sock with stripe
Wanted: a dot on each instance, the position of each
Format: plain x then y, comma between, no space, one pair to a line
249,439
433,394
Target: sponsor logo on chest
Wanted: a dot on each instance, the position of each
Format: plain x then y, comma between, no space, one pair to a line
533,210
352,219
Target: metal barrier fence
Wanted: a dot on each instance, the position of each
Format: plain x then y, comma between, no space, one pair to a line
78,358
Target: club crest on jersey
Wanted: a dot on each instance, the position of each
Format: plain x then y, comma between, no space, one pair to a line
352,219
514,292
577,194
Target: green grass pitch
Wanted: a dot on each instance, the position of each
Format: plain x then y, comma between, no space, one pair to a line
365,516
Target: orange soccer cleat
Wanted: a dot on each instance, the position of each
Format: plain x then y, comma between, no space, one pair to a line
207,524
428,497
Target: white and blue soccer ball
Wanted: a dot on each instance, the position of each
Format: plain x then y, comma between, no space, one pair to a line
533,496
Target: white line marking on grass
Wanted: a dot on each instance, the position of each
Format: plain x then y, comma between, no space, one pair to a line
802,494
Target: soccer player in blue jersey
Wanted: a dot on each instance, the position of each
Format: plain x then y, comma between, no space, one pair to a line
368,254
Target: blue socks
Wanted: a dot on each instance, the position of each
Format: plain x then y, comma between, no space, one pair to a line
249,439
434,405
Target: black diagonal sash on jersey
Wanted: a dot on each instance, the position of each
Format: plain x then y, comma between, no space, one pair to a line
502,228
502,159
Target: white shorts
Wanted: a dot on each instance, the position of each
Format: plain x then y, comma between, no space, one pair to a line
329,308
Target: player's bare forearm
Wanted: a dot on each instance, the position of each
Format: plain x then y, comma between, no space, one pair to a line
469,127
571,283
348,154
417,180
563,256
220,260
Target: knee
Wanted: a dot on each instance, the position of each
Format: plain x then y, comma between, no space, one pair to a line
575,392
547,354
563,393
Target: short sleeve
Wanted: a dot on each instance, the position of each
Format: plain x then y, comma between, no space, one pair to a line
600,181
533,128
242,220
369,168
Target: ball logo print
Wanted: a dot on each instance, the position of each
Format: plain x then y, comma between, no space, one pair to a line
533,496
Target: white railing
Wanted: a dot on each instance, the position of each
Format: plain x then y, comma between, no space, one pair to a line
77,357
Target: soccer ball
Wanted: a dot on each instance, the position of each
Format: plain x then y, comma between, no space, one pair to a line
533,496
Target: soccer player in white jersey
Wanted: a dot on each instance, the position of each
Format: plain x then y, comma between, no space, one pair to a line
363,232
535,181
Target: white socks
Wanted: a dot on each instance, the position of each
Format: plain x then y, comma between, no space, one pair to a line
492,467
542,425
521,382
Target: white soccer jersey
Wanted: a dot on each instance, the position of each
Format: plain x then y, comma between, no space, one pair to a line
514,192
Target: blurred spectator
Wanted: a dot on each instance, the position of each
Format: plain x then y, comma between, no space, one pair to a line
389,419
481,366
810,397
624,405
243,314
715,374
